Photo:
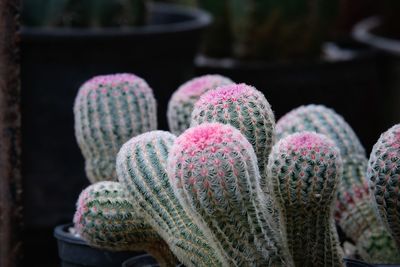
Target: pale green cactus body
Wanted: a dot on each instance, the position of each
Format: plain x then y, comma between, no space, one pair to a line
106,218
246,109
141,167
384,179
109,110
305,170
181,104
213,170
353,211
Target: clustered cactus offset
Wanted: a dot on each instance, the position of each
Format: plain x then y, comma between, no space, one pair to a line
384,179
181,104
214,172
106,218
109,110
223,193
141,167
353,211
305,170
246,109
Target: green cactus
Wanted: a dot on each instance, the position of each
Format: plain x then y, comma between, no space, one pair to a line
213,169
383,175
281,29
219,36
181,104
106,218
305,170
353,211
246,109
109,110
141,167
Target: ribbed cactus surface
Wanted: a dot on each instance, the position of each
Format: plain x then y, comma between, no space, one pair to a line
246,109
181,104
141,167
384,179
353,211
305,170
109,110
107,218
213,169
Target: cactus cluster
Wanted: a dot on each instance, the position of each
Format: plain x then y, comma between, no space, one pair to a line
109,110
181,104
141,167
305,170
223,193
214,173
246,109
353,211
106,218
384,179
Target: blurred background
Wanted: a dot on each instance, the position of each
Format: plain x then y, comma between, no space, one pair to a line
344,54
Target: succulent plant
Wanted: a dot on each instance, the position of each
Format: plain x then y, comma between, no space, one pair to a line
106,218
141,167
218,37
246,109
353,211
213,170
281,29
181,104
384,179
109,110
305,170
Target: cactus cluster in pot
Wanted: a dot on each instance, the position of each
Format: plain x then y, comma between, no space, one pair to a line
223,191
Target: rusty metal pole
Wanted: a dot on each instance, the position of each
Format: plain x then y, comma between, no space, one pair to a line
10,131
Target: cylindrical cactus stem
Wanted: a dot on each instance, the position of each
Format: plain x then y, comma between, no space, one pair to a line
246,109
322,120
353,212
305,170
109,110
106,218
181,104
384,179
213,169
141,167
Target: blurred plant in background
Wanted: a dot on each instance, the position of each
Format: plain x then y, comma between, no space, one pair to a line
84,13
273,30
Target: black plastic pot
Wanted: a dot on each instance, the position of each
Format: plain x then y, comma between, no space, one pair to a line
145,260
350,86
74,252
356,263
54,63
141,261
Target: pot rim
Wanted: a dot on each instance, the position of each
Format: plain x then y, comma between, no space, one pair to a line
61,233
362,33
196,19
